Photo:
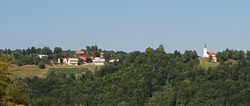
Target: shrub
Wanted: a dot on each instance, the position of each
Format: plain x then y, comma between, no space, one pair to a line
41,65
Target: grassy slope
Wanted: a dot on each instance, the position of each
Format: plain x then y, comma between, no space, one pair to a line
28,71
33,70
205,64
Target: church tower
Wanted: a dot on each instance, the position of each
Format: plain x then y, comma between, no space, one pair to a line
205,51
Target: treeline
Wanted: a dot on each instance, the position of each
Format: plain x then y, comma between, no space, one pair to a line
150,78
235,55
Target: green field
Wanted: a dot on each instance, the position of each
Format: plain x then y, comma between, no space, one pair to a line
27,71
205,64
33,70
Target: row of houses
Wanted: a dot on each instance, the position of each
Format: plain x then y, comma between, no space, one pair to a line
80,54
75,61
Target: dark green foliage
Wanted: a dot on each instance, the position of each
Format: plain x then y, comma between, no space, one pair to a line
17,92
58,50
92,48
233,55
88,60
41,65
150,78
4,79
132,81
46,50
68,70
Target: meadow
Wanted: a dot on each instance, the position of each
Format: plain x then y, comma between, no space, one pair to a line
33,70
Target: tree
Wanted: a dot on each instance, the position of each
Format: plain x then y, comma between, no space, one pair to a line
94,48
58,50
160,48
46,50
88,60
80,61
41,65
88,48
248,55
166,97
149,50
33,49
17,93
4,79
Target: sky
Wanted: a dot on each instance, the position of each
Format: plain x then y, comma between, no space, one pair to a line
126,25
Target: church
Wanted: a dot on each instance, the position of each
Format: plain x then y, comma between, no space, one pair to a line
211,55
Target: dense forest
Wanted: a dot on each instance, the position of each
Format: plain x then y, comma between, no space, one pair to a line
149,78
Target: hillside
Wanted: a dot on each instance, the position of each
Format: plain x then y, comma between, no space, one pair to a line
33,70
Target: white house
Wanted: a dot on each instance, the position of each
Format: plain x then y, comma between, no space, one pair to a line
42,56
69,61
73,61
98,61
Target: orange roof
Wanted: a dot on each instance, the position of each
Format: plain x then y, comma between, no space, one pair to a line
211,53
79,52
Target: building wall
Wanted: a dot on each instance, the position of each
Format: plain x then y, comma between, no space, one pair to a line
205,54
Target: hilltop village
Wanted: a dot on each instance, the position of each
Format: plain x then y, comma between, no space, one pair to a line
92,55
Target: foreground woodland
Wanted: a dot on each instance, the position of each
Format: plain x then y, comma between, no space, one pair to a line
149,78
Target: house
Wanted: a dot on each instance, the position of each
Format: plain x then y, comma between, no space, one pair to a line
42,56
210,55
84,59
73,61
98,61
113,60
68,61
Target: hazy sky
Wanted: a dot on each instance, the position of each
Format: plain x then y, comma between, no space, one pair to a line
126,25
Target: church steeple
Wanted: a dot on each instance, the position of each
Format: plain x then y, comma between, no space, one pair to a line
205,51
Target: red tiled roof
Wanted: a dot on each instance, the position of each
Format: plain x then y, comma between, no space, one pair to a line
83,58
79,52
211,53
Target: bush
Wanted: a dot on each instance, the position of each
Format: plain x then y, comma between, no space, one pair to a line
41,65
